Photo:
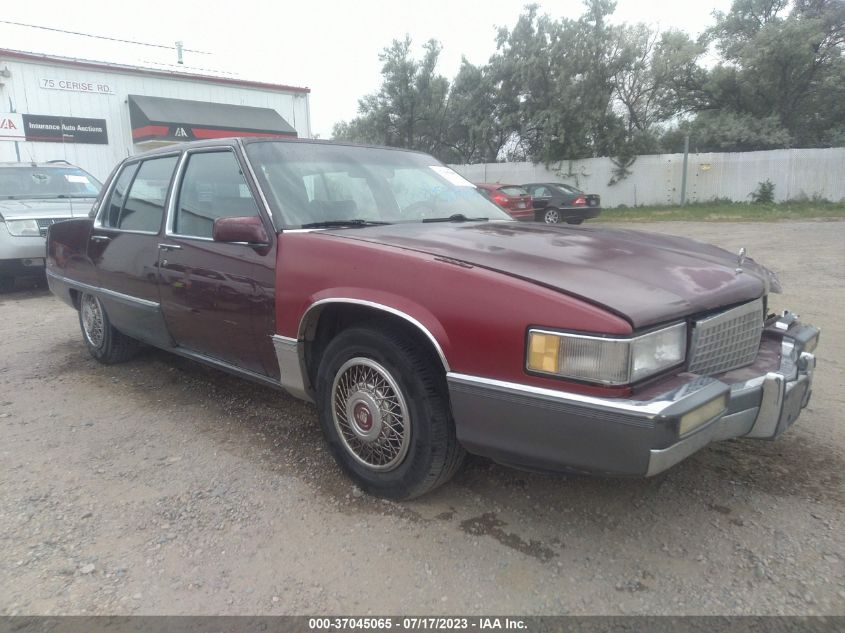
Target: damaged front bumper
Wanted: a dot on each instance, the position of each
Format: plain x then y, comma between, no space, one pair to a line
544,429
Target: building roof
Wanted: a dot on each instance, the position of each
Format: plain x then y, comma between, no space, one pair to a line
141,70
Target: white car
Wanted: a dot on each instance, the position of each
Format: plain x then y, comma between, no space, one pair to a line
32,197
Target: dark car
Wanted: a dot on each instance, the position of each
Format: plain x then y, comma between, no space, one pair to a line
422,320
515,200
556,202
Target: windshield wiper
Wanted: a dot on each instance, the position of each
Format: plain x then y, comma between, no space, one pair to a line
456,217
354,222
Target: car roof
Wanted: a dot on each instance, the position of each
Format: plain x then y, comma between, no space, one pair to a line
49,163
248,140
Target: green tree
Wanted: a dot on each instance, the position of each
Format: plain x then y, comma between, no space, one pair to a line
409,109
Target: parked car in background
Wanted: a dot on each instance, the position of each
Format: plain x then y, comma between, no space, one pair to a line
556,202
32,197
422,320
515,200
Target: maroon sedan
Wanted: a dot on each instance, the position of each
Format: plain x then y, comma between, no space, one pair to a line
515,200
422,320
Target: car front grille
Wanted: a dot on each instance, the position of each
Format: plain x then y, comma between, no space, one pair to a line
44,224
726,340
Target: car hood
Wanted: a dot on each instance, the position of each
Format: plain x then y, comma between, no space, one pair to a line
45,208
645,277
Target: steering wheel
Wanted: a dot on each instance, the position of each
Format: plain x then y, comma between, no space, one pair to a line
426,208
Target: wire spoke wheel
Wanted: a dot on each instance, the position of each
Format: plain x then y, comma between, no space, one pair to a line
370,414
93,325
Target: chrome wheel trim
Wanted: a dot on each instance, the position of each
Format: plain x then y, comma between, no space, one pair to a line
552,216
370,414
92,320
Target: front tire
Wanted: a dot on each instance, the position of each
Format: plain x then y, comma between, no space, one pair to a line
551,216
103,341
385,413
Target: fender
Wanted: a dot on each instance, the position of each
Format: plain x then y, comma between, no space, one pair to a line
291,352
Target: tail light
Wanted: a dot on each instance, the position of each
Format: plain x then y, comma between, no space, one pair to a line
500,199
580,201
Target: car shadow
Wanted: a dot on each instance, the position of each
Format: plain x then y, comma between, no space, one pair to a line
282,434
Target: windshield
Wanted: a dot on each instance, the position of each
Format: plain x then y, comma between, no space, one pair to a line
308,184
46,182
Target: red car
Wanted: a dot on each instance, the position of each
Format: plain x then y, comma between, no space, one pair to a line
422,320
513,199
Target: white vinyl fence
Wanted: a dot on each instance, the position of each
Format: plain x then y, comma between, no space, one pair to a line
797,174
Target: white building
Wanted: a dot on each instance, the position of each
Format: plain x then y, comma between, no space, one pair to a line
93,114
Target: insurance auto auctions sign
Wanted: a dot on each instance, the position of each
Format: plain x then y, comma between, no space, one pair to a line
52,129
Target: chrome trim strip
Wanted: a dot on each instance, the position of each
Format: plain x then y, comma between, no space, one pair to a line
291,369
171,200
112,294
223,365
648,408
304,322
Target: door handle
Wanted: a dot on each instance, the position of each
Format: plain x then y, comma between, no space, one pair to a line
100,238
169,247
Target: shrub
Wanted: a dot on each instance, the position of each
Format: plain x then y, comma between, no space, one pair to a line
764,194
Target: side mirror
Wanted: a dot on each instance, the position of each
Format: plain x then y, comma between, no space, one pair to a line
242,230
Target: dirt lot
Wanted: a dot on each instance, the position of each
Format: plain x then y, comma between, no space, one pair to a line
160,486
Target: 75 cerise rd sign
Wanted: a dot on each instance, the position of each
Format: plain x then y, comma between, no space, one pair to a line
76,86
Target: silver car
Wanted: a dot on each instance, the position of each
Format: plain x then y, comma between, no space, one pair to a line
32,197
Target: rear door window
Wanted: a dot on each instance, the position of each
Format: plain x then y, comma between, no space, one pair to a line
514,192
213,187
141,208
118,195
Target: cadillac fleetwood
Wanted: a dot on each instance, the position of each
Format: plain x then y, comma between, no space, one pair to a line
422,320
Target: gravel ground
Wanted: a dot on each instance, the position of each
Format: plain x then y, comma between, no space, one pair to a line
163,487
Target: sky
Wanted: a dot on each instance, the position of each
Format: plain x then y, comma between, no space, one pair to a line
329,46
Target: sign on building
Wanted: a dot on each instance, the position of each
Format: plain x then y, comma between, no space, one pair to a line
52,129
95,87
11,126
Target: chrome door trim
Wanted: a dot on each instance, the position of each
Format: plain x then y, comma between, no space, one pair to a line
111,294
305,321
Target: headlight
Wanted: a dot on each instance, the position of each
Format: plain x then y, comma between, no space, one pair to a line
609,361
23,228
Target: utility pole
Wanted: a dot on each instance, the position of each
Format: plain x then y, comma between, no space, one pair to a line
684,174
179,47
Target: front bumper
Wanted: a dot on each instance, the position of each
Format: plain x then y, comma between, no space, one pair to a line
21,256
544,429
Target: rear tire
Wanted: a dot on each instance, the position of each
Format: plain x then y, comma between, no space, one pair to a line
7,284
385,412
103,341
551,216
575,221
